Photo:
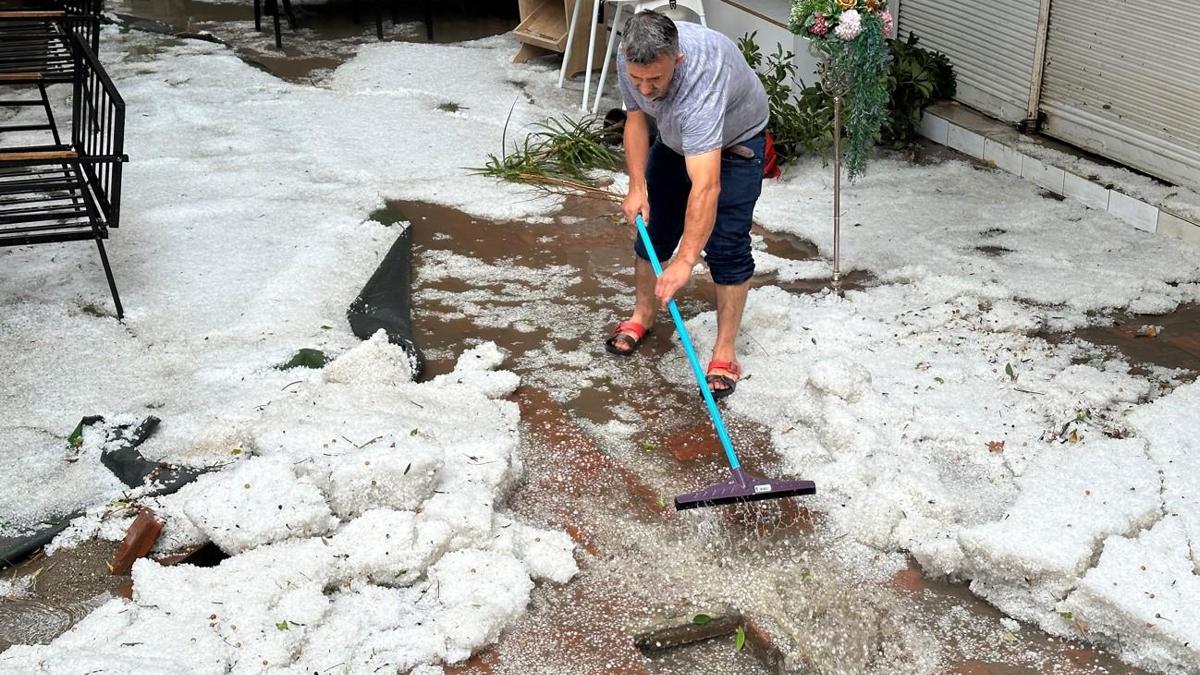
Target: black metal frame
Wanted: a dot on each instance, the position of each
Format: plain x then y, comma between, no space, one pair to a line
81,17
70,192
36,52
271,9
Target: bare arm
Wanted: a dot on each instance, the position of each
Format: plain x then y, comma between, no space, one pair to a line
705,173
637,152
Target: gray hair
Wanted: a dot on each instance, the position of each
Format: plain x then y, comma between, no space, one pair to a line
649,35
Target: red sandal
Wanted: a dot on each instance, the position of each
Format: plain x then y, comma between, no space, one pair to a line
630,334
730,383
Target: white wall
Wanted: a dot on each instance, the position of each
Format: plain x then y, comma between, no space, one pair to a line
734,21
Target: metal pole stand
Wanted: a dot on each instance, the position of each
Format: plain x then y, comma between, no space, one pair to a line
836,84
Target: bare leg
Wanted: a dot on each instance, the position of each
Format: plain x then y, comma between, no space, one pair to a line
731,301
644,309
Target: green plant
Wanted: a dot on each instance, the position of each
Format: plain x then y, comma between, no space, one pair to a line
802,123
848,36
798,124
863,64
917,78
558,148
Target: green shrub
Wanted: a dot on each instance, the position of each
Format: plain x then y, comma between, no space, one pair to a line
917,78
799,123
802,123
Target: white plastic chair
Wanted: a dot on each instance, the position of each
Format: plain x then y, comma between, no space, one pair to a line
697,6
634,6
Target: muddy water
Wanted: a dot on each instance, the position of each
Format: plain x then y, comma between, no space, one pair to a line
1175,344
607,441
60,590
326,34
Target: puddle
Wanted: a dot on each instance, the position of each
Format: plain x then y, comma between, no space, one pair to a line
993,251
608,441
326,34
1176,344
65,587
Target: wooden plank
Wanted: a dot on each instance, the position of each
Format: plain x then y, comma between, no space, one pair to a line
31,14
38,155
543,30
20,77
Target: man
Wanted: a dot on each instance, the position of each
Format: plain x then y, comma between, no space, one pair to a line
697,185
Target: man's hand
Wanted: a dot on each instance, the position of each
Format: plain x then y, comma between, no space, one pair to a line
673,278
636,202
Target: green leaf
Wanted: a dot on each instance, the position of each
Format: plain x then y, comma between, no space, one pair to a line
649,446
701,619
1008,370
939,380
739,638
662,503
306,358
1067,615
414,432
282,625
805,574
76,438
235,452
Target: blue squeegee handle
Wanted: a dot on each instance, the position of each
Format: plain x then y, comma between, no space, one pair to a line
713,412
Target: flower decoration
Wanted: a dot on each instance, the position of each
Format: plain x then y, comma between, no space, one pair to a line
819,27
889,24
850,37
849,26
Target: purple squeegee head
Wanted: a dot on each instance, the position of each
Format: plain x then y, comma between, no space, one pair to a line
744,487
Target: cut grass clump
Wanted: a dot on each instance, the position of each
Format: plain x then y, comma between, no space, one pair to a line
559,153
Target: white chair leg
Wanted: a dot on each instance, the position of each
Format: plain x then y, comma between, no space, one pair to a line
608,55
587,76
697,7
562,72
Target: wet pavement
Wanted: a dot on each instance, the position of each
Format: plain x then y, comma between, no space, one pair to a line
607,442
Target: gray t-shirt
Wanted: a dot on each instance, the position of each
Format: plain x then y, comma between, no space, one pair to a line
715,99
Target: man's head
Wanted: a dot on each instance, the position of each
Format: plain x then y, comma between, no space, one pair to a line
651,46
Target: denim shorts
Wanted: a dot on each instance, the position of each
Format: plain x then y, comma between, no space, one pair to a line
728,249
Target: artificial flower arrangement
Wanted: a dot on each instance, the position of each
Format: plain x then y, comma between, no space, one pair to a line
850,38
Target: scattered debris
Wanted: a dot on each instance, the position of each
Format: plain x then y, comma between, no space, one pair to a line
145,25
1148,330
683,630
138,542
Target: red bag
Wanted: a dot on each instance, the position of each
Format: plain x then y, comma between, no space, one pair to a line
770,161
